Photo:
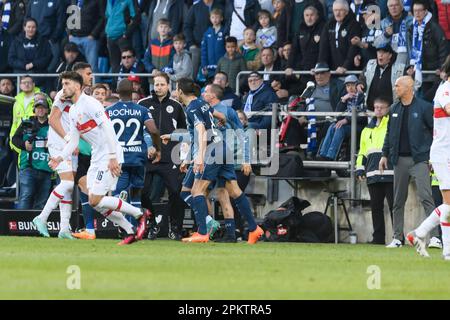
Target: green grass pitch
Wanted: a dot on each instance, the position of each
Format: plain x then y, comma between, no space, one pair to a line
36,268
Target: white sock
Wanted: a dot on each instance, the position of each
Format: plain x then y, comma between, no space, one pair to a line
119,219
432,221
208,218
65,208
116,204
55,197
445,226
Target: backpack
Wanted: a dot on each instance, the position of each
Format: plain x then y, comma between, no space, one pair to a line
284,223
316,227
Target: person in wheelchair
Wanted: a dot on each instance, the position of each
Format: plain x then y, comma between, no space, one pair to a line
339,131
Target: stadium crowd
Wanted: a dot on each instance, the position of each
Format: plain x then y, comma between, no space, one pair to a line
211,41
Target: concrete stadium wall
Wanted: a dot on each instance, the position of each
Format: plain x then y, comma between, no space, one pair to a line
360,214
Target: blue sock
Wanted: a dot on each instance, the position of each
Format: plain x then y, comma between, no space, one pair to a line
230,227
243,206
187,197
88,211
200,210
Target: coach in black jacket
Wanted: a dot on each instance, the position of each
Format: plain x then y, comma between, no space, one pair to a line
340,53
407,144
169,116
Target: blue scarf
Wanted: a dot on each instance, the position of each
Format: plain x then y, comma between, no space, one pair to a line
6,15
312,129
249,101
401,40
417,46
133,69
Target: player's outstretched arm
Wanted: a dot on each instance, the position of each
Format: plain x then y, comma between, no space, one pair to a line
54,120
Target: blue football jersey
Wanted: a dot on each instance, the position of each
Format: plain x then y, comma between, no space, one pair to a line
197,112
128,119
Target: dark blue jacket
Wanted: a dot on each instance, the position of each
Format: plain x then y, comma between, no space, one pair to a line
213,46
420,130
250,14
231,99
262,102
50,16
24,51
197,22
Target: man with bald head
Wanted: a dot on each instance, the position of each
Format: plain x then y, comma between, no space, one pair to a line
407,145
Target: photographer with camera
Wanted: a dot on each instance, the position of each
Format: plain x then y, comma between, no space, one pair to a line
35,174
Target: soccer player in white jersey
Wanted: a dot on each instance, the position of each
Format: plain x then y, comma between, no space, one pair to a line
88,119
440,160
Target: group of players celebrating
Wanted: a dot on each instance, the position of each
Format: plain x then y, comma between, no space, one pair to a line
104,152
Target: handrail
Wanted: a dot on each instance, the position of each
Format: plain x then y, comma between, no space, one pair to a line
306,72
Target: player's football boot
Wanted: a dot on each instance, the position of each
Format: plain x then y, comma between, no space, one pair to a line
83,234
419,243
129,239
65,235
394,244
212,227
41,227
142,224
435,242
253,236
197,237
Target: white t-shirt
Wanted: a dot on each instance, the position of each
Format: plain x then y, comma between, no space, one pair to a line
237,27
86,117
54,139
441,132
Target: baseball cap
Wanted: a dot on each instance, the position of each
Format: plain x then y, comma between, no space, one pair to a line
255,74
350,79
385,47
134,79
40,101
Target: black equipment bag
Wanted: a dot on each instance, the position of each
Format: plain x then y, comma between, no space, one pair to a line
316,227
290,165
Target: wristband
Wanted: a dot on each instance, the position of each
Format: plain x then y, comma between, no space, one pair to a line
67,137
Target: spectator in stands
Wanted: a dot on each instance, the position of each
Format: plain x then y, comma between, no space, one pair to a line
137,86
195,26
213,45
174,10
395,27
122,18
339,131
139,36
327,92
369,33
50,19
407,146
136,96
281,20
428,47
181,66
241,14
4,48
266,36
92,24
35,174
270,63
443,12
23,107
12,13
380,185
250,51
232,62
130,64
291,82
260,98
379,75
71,56
229,97
306,44
336,48
29,52
6,87
160,50
99,92
298,16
